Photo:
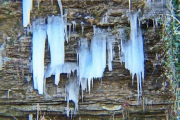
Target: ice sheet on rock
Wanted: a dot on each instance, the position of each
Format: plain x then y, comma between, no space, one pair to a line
38,44
72,89
74,24
121,41
27,7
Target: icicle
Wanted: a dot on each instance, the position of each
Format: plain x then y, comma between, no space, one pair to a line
82,26
38,43
27,7
92,62
123,38
57,76
74,24
60,7
129,5
134,54
65,26
156,22
30,117
89,84
72,89
139,21
38,1
94,29
110,48
56,34
98,51
83,83
1,55
84,59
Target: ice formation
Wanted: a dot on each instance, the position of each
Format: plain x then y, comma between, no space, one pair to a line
74,24
82,27
38,44
1,55
98,51
123,37
67,67
85,64
27,7
72,89
133,53
92,60
57,34
56,37
110,47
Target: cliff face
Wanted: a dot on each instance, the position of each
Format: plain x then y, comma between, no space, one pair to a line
112,97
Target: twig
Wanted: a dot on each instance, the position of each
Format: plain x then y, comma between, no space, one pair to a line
173,17
112,116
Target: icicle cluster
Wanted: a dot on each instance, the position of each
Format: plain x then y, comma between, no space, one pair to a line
98,51
67,67
56,30
92,60
56,34
27,7
38,43
72,89
133,54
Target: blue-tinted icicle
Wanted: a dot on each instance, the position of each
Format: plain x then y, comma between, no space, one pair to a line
38,43
27,7
133,53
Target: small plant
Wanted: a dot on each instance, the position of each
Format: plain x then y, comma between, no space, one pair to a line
171,40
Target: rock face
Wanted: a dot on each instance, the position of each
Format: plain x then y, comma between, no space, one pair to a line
113,97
